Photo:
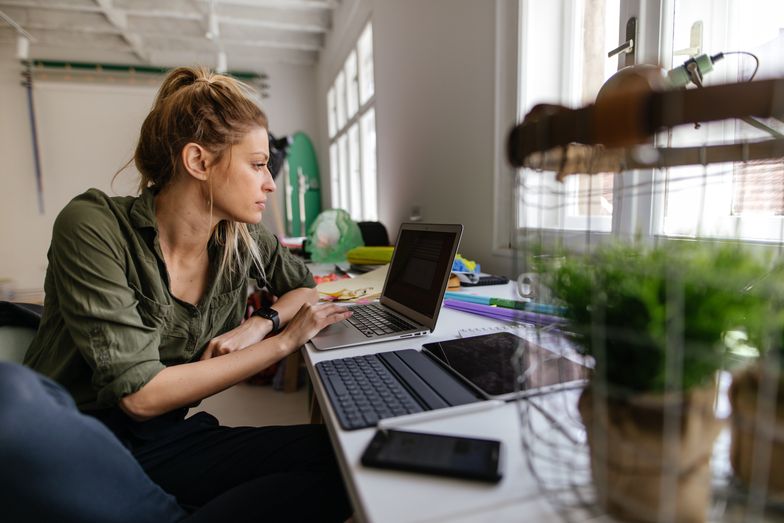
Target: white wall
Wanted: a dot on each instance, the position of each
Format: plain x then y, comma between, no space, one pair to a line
86,132
436,111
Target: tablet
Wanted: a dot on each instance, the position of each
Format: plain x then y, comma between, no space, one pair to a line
488,364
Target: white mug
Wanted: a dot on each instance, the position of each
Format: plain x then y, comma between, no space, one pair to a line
529,284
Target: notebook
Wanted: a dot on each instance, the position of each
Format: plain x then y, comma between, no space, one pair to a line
413,290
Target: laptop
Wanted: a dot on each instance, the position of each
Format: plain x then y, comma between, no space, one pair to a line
413,290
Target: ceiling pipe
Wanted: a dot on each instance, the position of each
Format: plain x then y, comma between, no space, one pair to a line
19,29
43,65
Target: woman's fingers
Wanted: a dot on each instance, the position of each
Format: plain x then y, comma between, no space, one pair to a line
207,354
338,315
329,313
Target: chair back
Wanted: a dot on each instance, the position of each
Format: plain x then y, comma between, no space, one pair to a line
18,325
374,234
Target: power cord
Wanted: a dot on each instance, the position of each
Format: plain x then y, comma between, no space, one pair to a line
718,56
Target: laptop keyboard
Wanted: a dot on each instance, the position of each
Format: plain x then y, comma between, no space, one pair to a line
362,391
373,320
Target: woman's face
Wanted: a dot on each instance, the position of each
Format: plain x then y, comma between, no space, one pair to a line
242,179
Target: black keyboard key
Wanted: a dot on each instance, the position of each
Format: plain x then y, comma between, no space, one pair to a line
362,391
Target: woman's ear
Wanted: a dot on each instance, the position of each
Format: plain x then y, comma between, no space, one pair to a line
196,160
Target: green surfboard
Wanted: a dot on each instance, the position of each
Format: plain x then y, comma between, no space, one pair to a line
303,186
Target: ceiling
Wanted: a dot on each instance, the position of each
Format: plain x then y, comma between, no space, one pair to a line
252,33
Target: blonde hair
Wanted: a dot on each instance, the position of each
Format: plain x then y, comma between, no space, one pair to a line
195,105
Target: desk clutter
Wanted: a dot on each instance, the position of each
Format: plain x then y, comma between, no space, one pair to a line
363,288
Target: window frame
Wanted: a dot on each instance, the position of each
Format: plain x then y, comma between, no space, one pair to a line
354,166
635,215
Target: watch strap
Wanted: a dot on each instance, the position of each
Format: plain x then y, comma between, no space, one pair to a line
270,314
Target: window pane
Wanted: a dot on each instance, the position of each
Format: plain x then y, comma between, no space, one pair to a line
758,188
340,93
331,121
564,61
334,176
592,195
726,200
351,84
369,198
355,189
366,83
343,184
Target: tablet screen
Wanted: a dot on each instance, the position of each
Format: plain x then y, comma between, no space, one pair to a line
488,363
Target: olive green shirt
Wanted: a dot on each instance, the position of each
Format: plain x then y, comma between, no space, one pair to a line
110,322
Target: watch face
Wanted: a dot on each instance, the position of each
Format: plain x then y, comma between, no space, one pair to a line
270,314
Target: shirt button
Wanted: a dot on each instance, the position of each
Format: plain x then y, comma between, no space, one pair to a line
195,313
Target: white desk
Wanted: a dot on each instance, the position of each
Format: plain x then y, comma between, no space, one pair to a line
381,496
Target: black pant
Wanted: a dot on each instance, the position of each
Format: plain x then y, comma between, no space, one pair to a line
239,474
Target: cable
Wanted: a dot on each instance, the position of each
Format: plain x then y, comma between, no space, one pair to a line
719,56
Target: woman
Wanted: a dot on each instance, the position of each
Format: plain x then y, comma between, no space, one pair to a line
144,298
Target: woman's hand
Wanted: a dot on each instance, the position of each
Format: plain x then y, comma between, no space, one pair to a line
309,320
251,331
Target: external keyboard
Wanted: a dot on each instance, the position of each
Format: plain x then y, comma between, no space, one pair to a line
372,320
366,389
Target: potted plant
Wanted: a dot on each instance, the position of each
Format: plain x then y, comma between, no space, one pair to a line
757,448
653,320
757,399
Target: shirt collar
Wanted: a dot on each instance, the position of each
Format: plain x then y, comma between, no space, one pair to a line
143,210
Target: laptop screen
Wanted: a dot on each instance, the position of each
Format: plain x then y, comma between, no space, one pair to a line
416,275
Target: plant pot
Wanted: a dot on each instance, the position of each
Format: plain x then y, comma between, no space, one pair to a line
639,471
752,434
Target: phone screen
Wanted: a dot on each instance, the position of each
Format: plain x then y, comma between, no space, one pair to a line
457,456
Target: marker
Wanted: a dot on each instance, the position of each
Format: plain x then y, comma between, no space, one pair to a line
542,308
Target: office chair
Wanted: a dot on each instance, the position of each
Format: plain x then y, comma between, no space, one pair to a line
374,234
18,324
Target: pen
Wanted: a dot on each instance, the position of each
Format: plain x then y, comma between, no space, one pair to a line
506,303
438,414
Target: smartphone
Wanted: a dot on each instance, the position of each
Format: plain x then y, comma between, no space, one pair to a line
455,456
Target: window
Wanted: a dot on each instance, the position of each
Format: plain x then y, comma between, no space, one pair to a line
351,122
733,200
563,60
562,54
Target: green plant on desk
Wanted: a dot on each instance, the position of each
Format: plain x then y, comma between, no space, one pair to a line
757,399
653,320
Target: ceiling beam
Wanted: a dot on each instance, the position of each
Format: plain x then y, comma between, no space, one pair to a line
176,15
276,26
119,19
50,5
19,29
270,44
155,13
275,4
243,42
282,4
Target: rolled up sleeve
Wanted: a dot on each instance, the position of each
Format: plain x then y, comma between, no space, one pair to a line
99,308
284,272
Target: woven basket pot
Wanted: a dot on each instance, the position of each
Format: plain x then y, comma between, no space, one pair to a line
757,449
650,453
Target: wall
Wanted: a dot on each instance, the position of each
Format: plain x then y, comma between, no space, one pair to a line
437,112
86,132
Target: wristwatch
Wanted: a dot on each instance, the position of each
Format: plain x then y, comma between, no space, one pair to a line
271,314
